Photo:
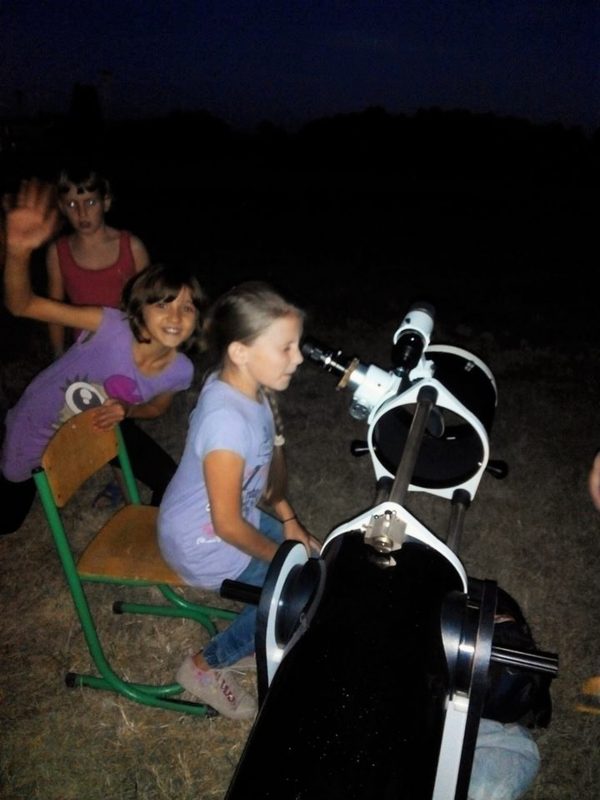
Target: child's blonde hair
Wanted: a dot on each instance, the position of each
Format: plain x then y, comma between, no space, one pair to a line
241,315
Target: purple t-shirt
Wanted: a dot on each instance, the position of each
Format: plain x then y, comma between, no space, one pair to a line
224,419
97,366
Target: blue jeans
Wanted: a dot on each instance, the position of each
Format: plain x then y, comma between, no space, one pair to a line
237,641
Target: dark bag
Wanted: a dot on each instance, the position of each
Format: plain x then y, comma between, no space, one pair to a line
515,694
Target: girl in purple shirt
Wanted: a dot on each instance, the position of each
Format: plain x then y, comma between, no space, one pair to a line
127,364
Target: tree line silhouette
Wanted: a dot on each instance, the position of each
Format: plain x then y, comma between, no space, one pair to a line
431,144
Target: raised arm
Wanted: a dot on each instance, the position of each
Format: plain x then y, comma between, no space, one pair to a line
56,291
29,224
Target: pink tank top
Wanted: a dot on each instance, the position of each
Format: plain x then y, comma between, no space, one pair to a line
95,287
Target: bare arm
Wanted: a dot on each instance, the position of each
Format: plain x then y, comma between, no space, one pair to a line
594,482
141,258
223,473
293,528
29,224
56,291
113,411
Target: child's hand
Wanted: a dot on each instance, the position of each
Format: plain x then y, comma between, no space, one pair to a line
594,482
293,529
109,414
33,217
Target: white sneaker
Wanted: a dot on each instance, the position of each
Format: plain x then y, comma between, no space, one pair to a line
245,664
218,689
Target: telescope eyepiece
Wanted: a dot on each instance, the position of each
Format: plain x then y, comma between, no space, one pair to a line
326,357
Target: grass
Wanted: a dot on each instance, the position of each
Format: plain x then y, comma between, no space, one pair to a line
536,533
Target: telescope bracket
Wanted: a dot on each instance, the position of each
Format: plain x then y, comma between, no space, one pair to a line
385,532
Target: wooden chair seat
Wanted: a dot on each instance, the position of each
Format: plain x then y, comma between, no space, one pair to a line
126,548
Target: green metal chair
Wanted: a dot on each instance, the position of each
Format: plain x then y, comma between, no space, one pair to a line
124,552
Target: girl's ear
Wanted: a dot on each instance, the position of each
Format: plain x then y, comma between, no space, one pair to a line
106,202
237,353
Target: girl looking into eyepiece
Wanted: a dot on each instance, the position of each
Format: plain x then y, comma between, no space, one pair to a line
210,525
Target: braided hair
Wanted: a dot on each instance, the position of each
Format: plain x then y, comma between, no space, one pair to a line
241,315
277,482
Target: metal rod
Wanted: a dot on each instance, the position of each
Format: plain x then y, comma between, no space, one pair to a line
425,402
536,662
461,500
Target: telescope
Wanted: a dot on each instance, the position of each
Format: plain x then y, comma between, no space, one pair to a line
376,659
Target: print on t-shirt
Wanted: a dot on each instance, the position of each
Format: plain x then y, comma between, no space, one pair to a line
81,394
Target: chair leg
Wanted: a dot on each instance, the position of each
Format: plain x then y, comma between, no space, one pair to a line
162,696
178,607
155,696
158,696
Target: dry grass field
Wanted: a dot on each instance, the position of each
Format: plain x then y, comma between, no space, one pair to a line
535,533
526,310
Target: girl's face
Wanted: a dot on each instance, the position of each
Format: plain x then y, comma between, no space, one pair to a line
85,211
273,357
171,324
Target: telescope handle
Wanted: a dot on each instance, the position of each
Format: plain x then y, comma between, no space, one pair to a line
237,590
358,447
497,468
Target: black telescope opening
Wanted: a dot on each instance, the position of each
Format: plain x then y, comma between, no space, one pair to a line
456,454
443,461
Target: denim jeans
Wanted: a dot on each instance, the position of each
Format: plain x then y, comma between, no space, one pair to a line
237,641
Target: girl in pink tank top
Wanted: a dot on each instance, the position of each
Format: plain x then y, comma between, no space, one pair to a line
90,265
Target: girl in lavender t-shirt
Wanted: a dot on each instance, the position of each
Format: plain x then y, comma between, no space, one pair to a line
209,526
126,364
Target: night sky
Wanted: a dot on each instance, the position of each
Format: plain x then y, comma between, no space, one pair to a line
293,61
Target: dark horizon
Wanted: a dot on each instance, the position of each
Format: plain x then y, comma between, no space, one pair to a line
290,63
93,102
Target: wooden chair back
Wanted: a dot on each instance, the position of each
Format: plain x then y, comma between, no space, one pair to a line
76,451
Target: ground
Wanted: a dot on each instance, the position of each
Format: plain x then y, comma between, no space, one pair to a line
521,306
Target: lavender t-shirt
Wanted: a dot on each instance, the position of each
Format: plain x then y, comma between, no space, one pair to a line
224,419
97,366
